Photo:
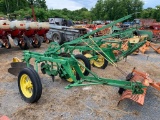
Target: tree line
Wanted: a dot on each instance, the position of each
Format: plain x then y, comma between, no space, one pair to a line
103,10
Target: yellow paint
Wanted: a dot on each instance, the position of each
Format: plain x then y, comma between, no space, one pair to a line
26,86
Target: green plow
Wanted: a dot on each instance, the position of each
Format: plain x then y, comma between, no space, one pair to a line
68,67
60,61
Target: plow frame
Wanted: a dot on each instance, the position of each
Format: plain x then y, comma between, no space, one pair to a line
65,68
95,43
108,51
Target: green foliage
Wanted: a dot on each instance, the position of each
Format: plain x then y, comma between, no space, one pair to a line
153,13
114,9
9,6
103,10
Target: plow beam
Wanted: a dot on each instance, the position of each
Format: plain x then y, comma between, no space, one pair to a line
121,33
144,78
131,50
102,28
135,87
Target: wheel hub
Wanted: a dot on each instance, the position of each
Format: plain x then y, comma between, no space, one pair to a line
81,67
99,62
26,86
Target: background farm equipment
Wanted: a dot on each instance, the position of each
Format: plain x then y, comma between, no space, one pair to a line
17,31
4,30
23,33
100,50
149,45
61,34
141,36
100,33
30,34
150,25
144,23
62,30
100,56
155,28
43,29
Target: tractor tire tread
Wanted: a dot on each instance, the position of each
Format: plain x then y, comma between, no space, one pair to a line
37,86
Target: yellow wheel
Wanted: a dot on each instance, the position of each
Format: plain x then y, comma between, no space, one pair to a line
26,86
75,73
70,80
100,62
67,77
84,61
87,55
81,67
29,85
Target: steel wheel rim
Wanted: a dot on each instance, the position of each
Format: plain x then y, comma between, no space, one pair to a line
81,67
26,86
100,61
87,55
23,43
15,40
7,45
56,38
47,41
70,79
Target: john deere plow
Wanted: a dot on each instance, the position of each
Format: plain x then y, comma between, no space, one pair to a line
92,47
67,67
60,61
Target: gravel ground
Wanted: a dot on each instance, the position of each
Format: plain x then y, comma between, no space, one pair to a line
79,103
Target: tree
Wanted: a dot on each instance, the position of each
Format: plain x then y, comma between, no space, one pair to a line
153,13
98,11
114,9
40,4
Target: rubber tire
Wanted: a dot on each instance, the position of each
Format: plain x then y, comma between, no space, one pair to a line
25,47
9,45
17,39
37,86
43,69
86,62
65,79
104,65
39,42
61,40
